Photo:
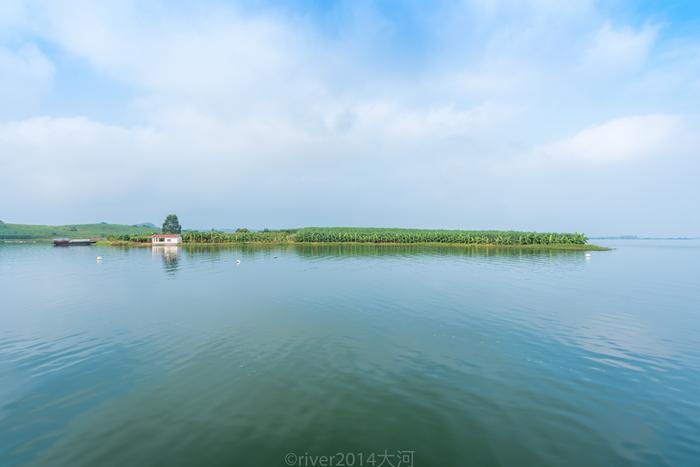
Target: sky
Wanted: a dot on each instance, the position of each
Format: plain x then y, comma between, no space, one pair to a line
506,114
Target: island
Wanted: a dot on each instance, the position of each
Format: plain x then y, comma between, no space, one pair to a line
140,235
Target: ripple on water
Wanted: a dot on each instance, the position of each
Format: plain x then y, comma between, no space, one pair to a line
465,356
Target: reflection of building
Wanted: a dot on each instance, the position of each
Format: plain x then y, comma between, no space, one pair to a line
166,251
166,239
170,256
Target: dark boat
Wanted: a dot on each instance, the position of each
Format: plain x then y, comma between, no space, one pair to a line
73,242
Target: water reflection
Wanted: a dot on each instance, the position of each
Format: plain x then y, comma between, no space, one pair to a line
218,249
375,250
465,355
171,257
364,250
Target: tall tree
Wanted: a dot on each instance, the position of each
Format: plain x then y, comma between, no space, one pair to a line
171,225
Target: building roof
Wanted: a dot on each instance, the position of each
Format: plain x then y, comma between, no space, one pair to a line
165,235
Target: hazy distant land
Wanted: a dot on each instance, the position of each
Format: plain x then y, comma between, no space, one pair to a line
46,232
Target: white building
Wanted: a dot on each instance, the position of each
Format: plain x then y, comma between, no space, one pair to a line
166,239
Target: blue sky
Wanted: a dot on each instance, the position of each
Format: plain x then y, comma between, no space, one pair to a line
538,115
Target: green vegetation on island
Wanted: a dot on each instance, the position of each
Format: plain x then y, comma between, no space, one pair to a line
312,235
466,237
141,234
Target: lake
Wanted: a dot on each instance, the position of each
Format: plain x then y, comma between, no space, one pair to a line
437,356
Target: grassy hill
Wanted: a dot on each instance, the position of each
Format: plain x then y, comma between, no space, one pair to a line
26,231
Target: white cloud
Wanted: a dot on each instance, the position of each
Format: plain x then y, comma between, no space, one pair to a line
620,49
58,159
26,74
213,59
621,140
264,103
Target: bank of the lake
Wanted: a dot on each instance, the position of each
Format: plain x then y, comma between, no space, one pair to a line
382,236
558,247
139,235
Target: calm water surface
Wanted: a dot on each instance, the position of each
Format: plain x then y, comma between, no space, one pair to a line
462,357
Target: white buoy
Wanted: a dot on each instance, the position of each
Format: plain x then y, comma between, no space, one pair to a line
99,258
588,255
238,261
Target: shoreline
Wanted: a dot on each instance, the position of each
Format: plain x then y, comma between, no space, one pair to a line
558,247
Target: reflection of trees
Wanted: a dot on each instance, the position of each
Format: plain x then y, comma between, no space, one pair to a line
349,249
236,250
170,255
215,249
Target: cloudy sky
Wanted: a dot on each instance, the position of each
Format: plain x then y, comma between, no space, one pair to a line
539,115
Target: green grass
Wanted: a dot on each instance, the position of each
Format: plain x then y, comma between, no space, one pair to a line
464,237
125,234
41,232
312,235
